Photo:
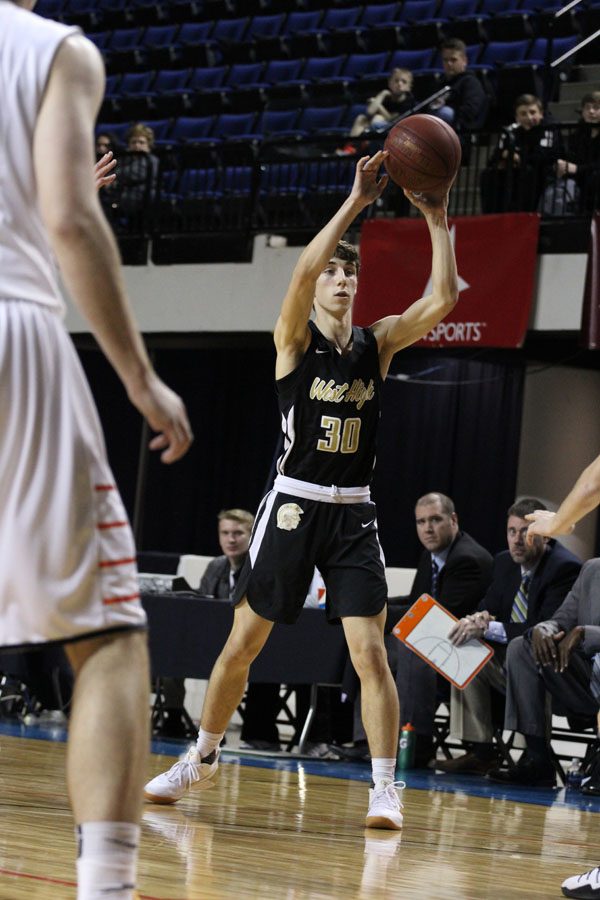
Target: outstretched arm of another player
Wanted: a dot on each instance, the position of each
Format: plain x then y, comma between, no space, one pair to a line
583,498
82,240
291,331
395,332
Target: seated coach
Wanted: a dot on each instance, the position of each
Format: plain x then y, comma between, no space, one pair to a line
529,583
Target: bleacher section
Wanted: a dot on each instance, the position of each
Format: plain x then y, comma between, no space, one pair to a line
237,89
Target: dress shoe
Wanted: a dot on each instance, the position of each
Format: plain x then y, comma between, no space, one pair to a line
527,773
468,764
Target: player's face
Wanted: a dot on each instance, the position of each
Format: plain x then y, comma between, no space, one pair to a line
522,553
454,62
435,528
528,115
234,538
336,286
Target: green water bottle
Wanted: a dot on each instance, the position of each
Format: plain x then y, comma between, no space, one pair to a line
406,747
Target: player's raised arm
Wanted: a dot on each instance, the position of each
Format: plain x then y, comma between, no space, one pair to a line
582,499
395,332
83,243
291,330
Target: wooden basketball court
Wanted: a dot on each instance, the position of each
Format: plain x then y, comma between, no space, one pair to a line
287,834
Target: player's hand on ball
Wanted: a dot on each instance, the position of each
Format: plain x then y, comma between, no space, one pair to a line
428,203
367,185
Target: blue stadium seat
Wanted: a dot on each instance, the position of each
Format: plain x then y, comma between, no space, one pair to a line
321,119
206,78
279,71
510,26
237,180
412,59
277,46
230,29
379,14
100,38
319,68
169,91
117,129
358,65
230,125
161,129
537,53
197,183
341,18
500,53
50,9
418,10
124,49
241,74
193,46
281,179
453,8
159,45
188,128
276,122
267,26
494,7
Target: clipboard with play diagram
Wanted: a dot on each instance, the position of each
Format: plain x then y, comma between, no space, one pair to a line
424,629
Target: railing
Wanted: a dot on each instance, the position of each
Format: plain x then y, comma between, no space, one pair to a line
293,186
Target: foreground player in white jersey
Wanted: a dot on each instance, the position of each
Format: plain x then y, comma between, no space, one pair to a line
329,381
67,560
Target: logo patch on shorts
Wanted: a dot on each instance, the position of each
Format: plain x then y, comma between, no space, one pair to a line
288,516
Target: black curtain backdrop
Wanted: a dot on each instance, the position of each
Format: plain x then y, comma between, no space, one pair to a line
451,422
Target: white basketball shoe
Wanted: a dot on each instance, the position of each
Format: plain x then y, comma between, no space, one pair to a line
384,806
189,772
583,886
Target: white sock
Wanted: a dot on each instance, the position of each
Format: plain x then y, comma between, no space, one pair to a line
107,860
207,742
383,769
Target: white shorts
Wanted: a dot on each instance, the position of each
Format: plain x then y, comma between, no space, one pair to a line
67,557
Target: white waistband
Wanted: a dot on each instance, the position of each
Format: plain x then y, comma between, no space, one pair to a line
311,491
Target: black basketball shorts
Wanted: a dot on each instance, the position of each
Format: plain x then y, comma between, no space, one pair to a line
291,536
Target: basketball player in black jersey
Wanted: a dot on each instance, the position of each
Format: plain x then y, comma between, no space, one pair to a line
329,379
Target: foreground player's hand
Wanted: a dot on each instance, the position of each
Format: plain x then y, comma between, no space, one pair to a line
367,186
164,411
543,522
467,628
544,647
103,174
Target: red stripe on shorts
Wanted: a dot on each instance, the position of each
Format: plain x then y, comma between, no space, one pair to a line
106,563
108,600
104,487
103,525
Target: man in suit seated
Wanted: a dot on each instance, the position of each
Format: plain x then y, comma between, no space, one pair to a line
530,581
560,656
455,570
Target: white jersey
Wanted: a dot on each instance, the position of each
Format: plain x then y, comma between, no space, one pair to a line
28,45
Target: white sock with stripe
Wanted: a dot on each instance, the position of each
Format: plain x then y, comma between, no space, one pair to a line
107,860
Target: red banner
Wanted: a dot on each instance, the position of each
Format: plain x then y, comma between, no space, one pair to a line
496,257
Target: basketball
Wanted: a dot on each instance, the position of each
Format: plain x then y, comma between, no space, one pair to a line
424,154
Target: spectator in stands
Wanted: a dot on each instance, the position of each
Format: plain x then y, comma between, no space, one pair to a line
138,172
105,143
387,105
530,581
456,571
523,161
560,656
465,106
581,164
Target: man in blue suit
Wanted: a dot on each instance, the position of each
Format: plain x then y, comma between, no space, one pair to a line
529,582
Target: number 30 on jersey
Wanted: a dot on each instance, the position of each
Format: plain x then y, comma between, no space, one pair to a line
340,435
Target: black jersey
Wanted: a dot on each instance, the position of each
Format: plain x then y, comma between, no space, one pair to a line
330,408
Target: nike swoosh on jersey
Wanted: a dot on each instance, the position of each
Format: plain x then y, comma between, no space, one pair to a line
321,351
366,524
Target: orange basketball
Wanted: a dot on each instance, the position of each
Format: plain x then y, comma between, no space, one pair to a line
424,154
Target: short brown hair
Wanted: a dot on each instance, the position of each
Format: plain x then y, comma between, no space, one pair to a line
454,44
524,507
590,97
237,515
141,130
529,100
348,253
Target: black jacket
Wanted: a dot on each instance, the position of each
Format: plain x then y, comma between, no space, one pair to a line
468,100
552,580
